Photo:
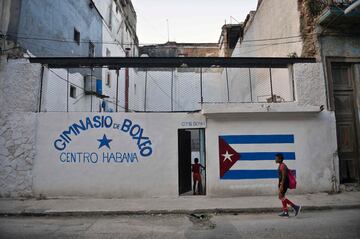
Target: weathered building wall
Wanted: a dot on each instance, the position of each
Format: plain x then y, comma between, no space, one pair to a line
52,26
153,173
277,20
56,92
340,46
174,49
19,97
5,6
315,161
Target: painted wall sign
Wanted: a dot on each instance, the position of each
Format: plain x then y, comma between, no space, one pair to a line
134,132
253,156
193,124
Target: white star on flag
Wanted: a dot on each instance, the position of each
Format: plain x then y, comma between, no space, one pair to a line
227,156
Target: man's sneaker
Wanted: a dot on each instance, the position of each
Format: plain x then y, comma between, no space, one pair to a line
284,214
297,209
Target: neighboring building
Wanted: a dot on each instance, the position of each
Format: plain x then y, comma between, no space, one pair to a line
174,49
326,30
71,28
119,40
52,28
230,35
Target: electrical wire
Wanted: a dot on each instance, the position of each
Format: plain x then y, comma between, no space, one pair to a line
82,88
68,40
163,90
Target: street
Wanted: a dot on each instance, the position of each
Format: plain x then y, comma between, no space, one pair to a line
315,224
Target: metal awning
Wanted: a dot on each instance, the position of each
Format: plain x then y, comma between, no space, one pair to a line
169,62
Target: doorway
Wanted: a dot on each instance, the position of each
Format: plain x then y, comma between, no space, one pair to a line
345,97
191,145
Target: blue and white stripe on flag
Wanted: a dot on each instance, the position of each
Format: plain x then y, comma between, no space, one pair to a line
257,155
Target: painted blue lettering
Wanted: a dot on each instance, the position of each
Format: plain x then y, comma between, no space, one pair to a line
135,130
112,157
88,123
146,151
97,122
148,142
77,127
61,157
62,145
73,157
94,157
65,139
106,157
86,157
126,125
119,158
69,132
108,121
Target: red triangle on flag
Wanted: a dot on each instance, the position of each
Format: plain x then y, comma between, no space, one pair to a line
227,156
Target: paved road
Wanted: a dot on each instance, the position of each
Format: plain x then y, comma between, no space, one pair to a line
316,224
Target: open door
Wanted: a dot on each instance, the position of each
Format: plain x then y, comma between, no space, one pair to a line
184,161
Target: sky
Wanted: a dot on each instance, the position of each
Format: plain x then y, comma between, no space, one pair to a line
188,20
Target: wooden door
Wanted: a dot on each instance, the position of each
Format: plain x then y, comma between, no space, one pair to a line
346,121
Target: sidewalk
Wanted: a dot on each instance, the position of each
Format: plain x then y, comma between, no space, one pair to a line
179,205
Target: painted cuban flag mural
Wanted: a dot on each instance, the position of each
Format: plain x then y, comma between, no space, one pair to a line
253,156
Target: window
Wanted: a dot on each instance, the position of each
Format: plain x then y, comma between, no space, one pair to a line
77,36
108,79
91,49
72,91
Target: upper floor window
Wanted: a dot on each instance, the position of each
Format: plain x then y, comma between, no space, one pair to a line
91,49
72,91
108,79
76,36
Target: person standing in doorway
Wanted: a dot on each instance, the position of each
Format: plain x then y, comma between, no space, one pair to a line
283,187
195,168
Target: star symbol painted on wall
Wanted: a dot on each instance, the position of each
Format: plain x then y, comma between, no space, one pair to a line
227,156
104,142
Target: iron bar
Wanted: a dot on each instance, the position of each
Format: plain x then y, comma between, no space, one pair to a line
41,86
201,87
251,93
227,85
67,90
170,62
271,87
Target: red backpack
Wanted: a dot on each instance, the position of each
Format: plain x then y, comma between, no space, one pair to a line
292,178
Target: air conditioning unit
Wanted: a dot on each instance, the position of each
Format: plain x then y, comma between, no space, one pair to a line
93,86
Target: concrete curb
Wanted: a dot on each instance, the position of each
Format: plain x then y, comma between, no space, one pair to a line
44,213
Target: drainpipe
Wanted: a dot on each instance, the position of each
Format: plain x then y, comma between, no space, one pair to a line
127,83
352,7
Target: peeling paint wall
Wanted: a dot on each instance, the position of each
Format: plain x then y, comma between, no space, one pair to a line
314,162
310,84
274,19
51,21
19,90
17,153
